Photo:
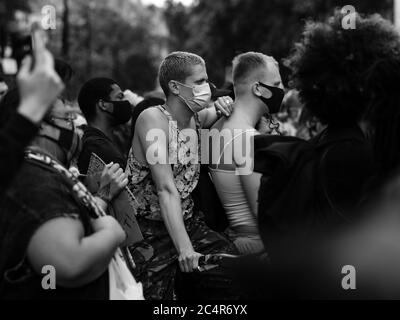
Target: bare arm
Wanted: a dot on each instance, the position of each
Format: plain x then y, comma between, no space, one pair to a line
169,198
78,260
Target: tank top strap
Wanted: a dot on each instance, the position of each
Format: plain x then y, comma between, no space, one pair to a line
197,121
229,142
163,110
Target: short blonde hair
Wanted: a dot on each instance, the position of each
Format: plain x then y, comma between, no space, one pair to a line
246,63
177,66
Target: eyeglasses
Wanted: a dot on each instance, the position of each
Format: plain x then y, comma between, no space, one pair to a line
65,122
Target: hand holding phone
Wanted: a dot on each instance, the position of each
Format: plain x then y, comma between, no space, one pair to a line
38,82
19,44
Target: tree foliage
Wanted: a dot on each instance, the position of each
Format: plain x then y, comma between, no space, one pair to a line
219,30
125,40
104,38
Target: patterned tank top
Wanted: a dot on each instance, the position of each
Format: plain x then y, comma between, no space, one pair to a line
184,157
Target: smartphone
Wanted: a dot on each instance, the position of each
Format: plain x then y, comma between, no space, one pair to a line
19,44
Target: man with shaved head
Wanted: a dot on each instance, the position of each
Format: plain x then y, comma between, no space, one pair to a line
258,91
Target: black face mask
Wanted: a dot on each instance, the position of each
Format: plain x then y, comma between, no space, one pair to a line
274,103
67,139
122,111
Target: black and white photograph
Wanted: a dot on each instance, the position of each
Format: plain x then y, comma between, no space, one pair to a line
201,158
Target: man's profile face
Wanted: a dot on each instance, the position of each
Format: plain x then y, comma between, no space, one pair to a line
198,76
3,89
271,76
116,93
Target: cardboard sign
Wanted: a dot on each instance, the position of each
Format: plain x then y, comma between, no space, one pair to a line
122,207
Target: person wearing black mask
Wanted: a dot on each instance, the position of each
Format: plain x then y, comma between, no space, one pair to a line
258,92
48,218
104,106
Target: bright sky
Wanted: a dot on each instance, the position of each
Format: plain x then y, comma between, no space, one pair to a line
160,3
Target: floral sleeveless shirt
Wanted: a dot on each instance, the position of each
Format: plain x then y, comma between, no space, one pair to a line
184,157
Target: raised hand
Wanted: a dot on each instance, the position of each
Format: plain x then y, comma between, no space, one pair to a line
39,84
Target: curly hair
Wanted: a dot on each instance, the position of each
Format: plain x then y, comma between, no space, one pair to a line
383,113
329,65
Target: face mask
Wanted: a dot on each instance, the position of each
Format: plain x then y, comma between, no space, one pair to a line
67,139
198,97
122,111
275,101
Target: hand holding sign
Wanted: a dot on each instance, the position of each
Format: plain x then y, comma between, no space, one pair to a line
123,204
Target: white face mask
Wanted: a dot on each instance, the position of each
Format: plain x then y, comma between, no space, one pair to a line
197,97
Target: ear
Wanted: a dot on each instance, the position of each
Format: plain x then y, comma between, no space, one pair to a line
259,91
173,87
102,105
256,89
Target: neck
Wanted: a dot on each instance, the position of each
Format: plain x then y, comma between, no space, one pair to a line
104,126
248,110
179,111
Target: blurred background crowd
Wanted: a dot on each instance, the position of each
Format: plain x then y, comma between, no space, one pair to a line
127,39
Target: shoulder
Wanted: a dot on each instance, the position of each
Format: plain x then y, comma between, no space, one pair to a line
152,118
152,114
48,195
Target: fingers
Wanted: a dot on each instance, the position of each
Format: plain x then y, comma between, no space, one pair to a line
114,175
124,183
109,165
110,169
119,172
224,104
25,67
122,180
39,48
229,101
114,169
106,170
183,266
189,263
118,176
195,262
114,172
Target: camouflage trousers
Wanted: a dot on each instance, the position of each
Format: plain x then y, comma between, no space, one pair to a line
157,265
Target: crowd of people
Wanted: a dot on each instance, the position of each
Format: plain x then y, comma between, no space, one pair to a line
258,210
